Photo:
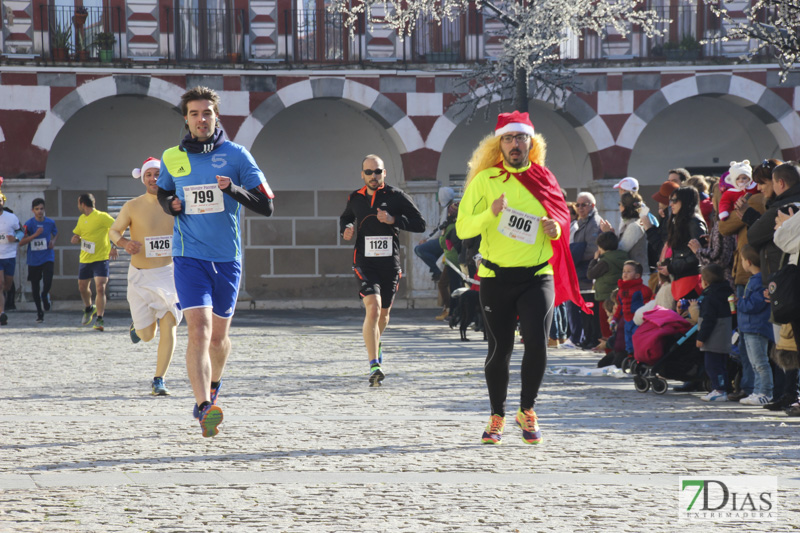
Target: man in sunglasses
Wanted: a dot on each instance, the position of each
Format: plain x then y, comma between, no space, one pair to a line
375,213
515,204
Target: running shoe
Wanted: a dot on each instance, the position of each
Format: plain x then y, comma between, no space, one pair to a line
46,301
134,337
215,393
210,418
159,388
99,324
3,319
87,316
39,317
493,434
376,376
527,420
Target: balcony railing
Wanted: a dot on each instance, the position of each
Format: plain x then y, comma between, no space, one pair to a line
317,37
90,34
206,35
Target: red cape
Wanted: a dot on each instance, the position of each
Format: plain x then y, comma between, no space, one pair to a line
543,185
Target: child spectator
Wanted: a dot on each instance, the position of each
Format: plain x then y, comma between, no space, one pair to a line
606,270
755,329
715,328
740,180
633,294
664,292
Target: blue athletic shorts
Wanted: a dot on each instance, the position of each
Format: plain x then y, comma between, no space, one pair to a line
98,269
201,283
8,265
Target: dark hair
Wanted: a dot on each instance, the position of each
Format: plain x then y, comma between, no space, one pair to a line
572,209
682,173
712,273
37,201
751,254
636,265
631,204
698,182
608,241
199,93
678,226
788,173
87,199
763,172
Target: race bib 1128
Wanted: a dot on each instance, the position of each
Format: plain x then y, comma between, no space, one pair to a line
378,246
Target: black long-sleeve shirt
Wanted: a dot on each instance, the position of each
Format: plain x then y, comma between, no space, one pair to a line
362,212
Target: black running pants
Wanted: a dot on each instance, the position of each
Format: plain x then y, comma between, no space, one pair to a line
502,301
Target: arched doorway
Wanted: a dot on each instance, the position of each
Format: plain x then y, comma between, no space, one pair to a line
311,154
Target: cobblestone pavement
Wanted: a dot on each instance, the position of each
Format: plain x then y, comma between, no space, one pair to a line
307,446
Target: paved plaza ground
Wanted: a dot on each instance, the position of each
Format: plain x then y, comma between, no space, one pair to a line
307,446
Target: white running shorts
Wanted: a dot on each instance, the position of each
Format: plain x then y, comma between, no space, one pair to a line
151,295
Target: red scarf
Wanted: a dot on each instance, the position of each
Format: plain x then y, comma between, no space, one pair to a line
542,184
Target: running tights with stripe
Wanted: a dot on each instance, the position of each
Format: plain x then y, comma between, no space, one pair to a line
502,302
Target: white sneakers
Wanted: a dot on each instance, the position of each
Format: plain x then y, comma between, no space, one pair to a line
756,399
715,396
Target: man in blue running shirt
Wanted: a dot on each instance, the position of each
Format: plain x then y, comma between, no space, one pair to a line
203,183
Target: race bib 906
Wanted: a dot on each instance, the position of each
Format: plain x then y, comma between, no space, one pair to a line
519,225
158,246
203,199
378,246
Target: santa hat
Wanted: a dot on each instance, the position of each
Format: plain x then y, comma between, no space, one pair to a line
628,184
150,162
736,170
515,122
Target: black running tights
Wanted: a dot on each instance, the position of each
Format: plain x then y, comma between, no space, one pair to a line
37,274
502,302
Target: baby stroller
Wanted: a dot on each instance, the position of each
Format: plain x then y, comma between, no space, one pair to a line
665,349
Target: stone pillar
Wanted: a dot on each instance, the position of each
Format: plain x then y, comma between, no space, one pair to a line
607,200
421,290
20,193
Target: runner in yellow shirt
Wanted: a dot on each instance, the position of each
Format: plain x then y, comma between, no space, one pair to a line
91,232
515,204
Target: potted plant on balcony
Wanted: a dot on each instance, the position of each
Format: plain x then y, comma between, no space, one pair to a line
79,19
60,39
104,41
80,16
690,47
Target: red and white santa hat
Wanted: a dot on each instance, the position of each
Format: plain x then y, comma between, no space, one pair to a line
515,122
150,162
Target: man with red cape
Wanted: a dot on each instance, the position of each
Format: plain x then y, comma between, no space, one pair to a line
515,204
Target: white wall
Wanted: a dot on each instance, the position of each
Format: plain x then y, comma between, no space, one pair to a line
567,158
319,145
693,132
